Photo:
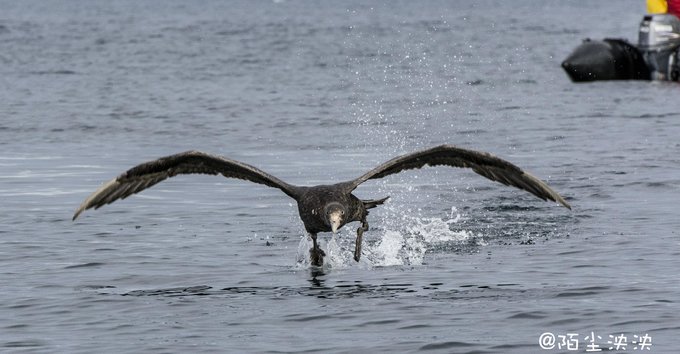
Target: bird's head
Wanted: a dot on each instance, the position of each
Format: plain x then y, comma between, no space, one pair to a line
335,215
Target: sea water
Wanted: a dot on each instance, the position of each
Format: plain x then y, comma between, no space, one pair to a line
320,92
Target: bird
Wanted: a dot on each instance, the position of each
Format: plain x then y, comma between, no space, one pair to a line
322,208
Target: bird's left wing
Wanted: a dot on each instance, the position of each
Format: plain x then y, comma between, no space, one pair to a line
483,163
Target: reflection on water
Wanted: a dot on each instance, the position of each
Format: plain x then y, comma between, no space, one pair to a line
320,290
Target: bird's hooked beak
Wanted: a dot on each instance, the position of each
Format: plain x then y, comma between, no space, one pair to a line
335,218
335,215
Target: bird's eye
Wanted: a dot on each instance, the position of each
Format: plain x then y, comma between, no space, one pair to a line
342,212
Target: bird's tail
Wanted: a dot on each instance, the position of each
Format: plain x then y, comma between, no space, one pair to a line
368,204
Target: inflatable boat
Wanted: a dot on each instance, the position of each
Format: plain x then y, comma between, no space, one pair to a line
655,57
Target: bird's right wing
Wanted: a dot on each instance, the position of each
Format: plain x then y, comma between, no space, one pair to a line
148,174
483,163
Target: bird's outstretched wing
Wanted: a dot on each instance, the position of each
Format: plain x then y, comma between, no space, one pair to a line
485,164
148,174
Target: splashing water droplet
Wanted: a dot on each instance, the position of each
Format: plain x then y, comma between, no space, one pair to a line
404,243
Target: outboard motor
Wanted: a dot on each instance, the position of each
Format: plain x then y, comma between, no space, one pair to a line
659,42
656,57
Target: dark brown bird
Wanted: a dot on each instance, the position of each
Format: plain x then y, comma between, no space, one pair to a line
322,208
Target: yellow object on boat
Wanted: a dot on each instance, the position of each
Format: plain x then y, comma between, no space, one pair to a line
657,6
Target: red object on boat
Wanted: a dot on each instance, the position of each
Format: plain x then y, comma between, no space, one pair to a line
674,7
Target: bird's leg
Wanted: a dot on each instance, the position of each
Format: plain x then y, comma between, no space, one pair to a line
316,254
360,234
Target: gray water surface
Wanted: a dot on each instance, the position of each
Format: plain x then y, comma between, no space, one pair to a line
316,93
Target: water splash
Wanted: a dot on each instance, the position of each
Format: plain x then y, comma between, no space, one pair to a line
404,242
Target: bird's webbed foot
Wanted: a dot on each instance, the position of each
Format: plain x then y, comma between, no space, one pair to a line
316,256
360,234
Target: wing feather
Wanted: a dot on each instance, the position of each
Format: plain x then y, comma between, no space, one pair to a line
483,163
150,173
